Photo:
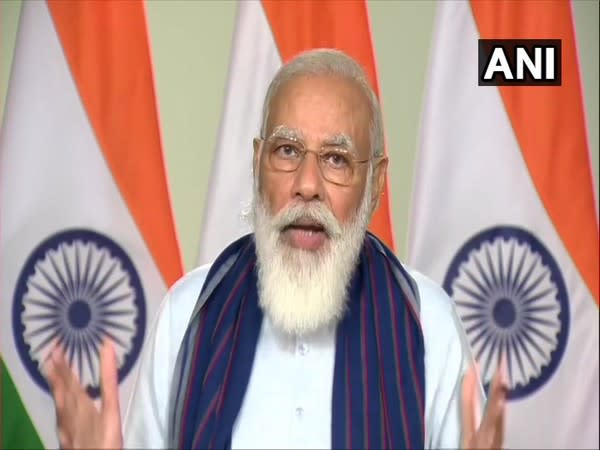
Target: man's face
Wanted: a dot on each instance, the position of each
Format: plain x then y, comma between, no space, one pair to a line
309,231
318,111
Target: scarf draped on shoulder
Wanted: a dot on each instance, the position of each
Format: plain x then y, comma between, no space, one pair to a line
379,375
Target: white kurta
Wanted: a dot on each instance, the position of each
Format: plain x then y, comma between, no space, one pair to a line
288,400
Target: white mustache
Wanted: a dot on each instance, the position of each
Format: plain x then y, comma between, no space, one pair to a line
309,212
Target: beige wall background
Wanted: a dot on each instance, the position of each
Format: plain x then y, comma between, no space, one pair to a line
191,43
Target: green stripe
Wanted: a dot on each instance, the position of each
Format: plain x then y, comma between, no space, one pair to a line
18,431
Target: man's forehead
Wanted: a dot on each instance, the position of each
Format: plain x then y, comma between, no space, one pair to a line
335,88
321,110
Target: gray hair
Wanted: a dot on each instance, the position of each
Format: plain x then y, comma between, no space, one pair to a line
334,63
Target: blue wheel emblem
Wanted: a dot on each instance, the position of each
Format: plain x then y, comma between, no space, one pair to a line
511,297
77,288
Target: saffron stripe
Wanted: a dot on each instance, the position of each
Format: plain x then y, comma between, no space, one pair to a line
126,126
558,162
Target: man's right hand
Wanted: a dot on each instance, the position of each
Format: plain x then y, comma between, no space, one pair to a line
79,423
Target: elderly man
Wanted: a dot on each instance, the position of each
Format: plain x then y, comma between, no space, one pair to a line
309,333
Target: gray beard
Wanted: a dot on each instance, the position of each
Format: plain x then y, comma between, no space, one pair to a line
302,291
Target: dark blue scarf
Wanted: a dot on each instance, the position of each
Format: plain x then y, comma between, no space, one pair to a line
379,376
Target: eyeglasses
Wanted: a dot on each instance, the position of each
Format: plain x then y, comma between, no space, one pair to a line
337,165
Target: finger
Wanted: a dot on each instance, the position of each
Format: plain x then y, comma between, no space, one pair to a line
69,375
54,381
69,394
46,363
109,384
61,408
469,419
63,370
492,425
57,389
498,439
59,384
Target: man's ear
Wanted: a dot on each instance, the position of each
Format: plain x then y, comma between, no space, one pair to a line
379,173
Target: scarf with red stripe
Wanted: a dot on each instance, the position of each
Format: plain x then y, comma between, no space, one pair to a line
379,376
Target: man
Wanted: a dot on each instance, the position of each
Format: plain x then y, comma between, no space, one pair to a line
308,333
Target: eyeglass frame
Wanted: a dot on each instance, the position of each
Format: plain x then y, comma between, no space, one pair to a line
318,154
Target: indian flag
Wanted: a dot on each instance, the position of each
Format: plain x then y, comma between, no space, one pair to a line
267,34
87,240
504,216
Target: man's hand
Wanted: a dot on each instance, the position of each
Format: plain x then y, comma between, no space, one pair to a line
79,423
490,434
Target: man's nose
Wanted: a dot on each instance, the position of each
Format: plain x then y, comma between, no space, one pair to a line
309,182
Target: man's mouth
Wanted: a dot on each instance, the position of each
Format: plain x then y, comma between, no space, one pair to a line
305,234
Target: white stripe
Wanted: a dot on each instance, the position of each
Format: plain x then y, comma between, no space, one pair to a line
254,61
